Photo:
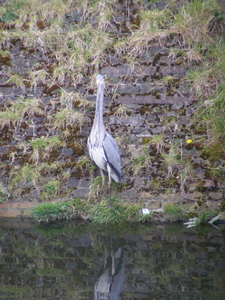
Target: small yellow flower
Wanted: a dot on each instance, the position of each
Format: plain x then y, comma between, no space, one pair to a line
189,141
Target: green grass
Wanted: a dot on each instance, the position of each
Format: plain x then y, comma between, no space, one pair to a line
100,216
96,213
117,214
67,118
3,196
158,141
54,212
50,189
43,147
139,161
172,212
21,110
210,116
171,159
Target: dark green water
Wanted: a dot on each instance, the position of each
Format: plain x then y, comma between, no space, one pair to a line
74,261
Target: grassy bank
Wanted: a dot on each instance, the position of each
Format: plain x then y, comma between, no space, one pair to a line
80,210
100,214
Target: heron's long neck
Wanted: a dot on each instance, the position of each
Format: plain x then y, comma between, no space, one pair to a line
98,121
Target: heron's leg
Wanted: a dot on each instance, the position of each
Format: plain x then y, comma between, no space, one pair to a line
103,183
112,256
109,185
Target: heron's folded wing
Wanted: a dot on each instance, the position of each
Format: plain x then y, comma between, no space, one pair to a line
112,155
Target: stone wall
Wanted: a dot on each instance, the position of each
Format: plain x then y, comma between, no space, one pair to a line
148,109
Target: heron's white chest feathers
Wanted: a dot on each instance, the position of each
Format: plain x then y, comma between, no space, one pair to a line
99,158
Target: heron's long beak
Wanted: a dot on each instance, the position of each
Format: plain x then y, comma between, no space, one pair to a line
99,80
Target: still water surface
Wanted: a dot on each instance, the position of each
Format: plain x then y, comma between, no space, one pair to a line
77,261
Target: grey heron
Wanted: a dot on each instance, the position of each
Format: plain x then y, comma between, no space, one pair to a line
102,147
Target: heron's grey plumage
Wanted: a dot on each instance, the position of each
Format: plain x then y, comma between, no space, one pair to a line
102,147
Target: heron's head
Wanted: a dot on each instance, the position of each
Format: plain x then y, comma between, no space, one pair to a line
99,79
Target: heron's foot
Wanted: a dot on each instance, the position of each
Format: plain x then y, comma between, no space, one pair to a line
100,202
109,204
103,205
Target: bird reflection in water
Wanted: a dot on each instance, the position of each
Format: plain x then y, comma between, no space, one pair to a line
109,283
